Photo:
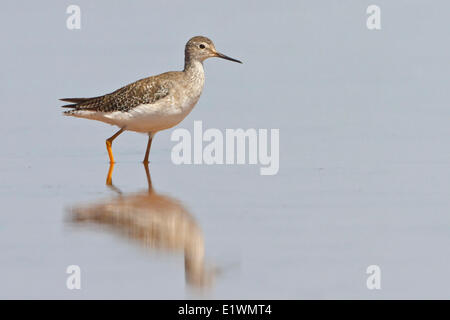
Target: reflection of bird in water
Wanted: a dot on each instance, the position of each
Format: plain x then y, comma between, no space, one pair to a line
156,221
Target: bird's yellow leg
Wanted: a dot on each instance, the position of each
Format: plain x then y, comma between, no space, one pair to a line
149,144
149,179
109,142
109,176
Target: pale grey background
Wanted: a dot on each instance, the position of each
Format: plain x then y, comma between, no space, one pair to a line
365,159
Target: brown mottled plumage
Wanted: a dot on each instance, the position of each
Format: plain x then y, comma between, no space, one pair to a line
144,91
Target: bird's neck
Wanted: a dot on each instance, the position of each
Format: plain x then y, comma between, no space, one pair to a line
194,69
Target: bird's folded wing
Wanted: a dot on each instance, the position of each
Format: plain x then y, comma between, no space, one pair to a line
124,99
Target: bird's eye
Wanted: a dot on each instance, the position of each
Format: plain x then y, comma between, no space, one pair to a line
202,46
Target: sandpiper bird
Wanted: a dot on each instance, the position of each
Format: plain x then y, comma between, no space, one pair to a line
151,104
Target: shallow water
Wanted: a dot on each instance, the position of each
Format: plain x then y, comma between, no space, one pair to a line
364,173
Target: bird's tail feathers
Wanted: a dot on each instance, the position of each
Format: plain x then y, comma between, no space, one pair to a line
75,101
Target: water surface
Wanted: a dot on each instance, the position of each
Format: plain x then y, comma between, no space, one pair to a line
364,160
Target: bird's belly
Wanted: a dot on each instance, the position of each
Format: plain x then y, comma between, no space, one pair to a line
153,117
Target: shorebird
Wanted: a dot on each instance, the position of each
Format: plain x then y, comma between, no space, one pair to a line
151,104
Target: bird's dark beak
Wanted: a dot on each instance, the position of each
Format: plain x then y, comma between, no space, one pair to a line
220,55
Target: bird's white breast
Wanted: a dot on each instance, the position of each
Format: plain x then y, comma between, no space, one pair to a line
167,112
155,117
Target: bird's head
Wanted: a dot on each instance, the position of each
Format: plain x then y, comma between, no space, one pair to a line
201,48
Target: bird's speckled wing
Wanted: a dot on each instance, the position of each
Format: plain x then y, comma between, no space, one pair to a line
144,91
